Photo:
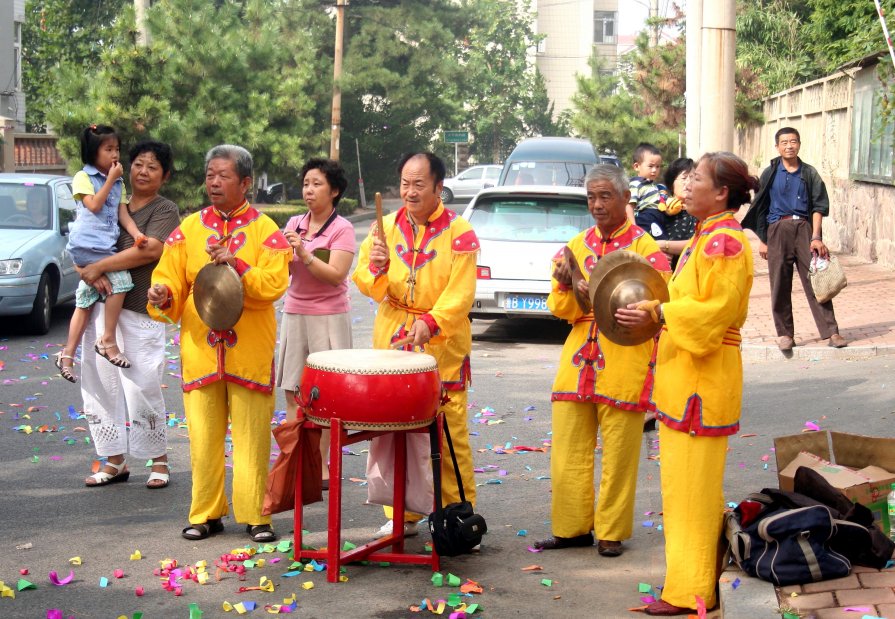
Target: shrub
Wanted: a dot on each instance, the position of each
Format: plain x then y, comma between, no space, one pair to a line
281,213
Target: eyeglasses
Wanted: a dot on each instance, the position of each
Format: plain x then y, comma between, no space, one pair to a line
788,142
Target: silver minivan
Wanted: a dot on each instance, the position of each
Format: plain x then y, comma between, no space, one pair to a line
559,162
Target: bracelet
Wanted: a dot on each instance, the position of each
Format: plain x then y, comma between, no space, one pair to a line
817,238
308,262
666,246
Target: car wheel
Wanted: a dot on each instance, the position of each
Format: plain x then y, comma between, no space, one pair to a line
446,195
38,321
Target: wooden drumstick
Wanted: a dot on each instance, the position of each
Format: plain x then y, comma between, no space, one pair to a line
379,226
402,342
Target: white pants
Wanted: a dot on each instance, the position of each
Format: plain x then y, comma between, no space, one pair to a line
115,396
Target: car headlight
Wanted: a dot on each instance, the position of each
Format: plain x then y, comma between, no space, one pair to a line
10,267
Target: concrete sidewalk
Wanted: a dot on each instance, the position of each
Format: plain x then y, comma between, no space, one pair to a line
864,310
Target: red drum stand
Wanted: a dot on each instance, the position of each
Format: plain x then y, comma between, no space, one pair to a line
333,554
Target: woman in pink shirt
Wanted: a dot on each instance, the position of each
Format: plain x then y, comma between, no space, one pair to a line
315,314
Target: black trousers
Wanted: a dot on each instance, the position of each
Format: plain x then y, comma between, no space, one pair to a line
789,244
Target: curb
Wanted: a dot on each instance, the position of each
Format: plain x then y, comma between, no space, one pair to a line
762,352
752,598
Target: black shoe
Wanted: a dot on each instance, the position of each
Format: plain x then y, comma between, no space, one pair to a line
558,543
261,533
201,531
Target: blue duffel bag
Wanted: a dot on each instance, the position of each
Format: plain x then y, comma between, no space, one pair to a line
788,546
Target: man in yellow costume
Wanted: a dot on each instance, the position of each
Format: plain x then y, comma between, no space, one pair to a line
227,375
598,385
423,276
698,386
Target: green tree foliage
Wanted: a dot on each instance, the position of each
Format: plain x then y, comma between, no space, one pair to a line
238,72
57,33
771,43
844,30
613,117
400,84
506,96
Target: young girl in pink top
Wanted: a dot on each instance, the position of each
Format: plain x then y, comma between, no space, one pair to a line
315,314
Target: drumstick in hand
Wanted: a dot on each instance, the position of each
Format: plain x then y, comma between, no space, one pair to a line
379,226
402,342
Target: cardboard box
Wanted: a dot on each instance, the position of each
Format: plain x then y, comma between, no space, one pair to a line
861,467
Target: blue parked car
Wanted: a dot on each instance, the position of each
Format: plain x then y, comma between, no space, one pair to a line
36,272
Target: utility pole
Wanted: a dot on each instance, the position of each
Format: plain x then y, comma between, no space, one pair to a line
717,90
140,8
337,74
693,71
654,23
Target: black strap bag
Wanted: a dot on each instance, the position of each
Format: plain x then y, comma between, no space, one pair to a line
456,529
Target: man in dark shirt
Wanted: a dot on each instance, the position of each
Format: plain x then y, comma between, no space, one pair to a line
787,216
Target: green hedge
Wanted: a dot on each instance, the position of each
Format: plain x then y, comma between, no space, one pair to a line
281,213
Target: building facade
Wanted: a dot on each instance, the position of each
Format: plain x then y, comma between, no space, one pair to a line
12,97
573,30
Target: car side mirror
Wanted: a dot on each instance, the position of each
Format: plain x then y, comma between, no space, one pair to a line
65,228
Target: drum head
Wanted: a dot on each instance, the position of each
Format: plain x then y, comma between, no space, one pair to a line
368,361
218,295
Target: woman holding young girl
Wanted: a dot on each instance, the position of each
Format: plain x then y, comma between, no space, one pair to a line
115,396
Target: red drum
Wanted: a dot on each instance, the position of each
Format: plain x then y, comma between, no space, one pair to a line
370,389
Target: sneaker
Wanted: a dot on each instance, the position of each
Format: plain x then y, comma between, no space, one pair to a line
410,529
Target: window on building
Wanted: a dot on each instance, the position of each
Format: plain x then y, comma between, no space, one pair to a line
873,136
17,56
604,27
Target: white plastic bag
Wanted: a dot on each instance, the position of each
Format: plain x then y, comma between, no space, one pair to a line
419,494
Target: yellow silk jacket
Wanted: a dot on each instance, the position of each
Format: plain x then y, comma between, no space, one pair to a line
699,372
591,367
430,276
243,354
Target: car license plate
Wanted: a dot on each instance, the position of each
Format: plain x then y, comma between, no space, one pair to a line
525,302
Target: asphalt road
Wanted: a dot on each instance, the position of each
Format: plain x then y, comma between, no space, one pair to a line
49,516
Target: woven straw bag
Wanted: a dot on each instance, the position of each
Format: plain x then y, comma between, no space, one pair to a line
827,278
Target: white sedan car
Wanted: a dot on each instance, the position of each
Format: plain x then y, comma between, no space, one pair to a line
520,230
469,182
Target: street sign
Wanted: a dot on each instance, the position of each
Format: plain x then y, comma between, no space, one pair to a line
456,137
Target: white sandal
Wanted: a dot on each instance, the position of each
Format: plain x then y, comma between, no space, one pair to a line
101,478
163,477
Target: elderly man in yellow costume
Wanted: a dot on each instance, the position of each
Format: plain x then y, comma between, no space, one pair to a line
598,385
227,375
423,277
698,385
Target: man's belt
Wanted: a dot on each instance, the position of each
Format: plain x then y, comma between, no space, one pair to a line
793,217
410,310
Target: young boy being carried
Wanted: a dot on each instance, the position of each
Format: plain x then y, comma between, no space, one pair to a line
646,207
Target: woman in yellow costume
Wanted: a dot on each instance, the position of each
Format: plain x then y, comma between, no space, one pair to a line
227,375
698,385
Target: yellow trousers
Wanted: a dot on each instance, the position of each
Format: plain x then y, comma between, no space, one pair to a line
693,503
455,416
575,427
208,411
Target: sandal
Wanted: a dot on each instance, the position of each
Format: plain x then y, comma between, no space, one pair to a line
118,360
65,371
101,478
558,543
203,530
261,533
158,477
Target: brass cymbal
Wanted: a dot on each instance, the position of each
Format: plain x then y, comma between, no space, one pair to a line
218,296
630,282
606,264
577,276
